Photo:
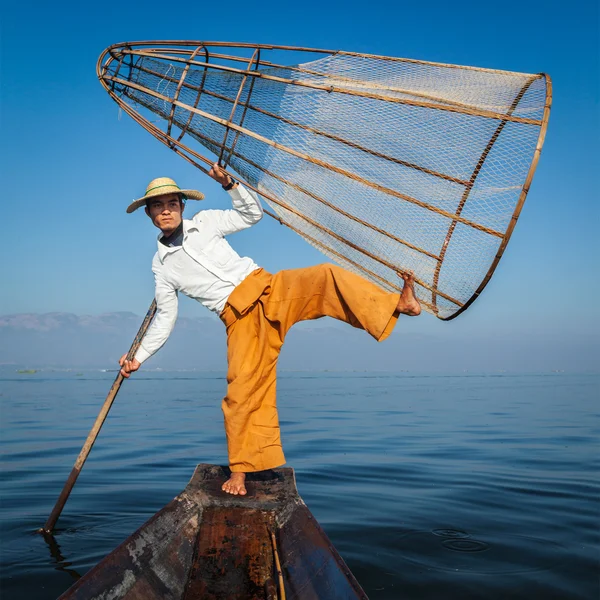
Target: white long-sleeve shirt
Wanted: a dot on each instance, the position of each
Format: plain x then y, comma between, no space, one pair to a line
205,267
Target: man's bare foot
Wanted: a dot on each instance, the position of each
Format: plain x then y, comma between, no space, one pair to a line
408,304
236,484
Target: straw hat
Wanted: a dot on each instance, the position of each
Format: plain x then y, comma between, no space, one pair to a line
160,187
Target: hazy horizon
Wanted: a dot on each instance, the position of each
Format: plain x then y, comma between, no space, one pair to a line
61,340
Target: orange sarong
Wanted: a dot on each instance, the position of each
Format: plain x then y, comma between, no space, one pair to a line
258,314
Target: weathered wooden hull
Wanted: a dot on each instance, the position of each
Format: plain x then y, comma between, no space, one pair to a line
206,544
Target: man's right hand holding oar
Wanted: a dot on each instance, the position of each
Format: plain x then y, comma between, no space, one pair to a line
128,366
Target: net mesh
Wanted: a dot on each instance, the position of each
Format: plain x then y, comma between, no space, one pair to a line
383,164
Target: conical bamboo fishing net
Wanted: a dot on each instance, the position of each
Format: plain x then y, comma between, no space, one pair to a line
384,164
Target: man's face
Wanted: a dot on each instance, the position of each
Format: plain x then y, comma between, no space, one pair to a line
165,212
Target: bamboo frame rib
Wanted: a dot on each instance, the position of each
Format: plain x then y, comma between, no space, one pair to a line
330,136
519,207
179,86
330,205
467,191
349,143
330,88
370,84
198,96
114,57
337,209
235,103
312,160
217,44
244,112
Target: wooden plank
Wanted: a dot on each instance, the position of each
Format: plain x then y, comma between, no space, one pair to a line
233,557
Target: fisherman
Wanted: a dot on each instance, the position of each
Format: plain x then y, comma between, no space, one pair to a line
256,307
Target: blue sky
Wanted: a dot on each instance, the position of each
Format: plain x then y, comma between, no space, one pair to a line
70,165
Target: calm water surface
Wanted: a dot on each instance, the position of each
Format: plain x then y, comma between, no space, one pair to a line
430,487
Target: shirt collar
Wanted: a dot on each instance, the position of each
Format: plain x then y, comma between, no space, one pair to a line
164,250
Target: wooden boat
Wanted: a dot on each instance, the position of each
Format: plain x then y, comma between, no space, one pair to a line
206,544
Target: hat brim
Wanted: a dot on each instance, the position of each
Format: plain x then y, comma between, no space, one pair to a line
189,195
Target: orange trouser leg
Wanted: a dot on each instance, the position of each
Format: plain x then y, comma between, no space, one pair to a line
330,291
250,411
255,337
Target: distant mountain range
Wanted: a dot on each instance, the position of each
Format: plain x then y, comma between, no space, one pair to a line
68,340
65,340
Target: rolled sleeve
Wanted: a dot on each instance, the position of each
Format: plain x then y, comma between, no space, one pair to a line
246,211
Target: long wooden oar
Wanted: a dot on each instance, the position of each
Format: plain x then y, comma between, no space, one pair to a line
91,438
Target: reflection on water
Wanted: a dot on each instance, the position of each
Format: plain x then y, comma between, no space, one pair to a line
430,487
60,563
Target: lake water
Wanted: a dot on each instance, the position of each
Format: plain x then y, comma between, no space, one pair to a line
430,487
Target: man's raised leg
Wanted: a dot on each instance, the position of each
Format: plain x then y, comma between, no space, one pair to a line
329,290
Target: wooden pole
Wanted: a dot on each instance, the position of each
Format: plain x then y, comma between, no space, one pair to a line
91,438
278,567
